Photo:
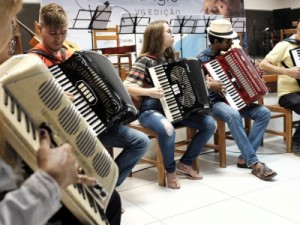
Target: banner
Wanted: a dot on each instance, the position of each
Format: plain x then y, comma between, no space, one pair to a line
80,13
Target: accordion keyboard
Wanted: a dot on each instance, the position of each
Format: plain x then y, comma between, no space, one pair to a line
295,55
168,102
231,95
81,103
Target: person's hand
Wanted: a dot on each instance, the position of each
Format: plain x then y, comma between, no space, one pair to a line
294,72
156,92
215,85
70,96
60,163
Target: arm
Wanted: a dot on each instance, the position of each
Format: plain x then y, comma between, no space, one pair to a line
267,66
39,197
34,203
135,81
140,91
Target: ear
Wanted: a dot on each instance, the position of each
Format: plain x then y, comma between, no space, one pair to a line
39,27
216,41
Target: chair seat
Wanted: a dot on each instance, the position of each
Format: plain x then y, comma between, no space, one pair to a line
279,112
158,162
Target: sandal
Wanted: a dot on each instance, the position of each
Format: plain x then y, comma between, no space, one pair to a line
243,166
263,172
172,181
188,171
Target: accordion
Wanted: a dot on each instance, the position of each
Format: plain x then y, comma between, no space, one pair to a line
295,55
243,81
98,90
30,96
184,87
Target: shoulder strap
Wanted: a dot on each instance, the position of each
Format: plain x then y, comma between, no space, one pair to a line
206,54
46,55
292,40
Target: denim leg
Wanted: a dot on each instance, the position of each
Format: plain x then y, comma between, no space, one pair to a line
261,117
206,127
234,121
157,122
134,144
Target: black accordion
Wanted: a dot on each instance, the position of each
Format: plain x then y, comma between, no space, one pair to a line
99,93
295,55
184,87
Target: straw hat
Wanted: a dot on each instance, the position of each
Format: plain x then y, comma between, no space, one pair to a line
221,28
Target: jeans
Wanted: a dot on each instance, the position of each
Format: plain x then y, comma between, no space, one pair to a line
247,145
133,142
157,122
292,101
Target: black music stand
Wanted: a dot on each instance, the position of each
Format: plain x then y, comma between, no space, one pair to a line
92,19
131,23
190,24
239,25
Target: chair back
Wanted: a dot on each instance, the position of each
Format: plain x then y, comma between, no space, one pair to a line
108,34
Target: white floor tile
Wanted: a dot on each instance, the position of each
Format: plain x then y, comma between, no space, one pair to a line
232,211
225,196
282,199
161,202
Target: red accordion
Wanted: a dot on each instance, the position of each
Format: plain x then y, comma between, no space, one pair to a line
244,84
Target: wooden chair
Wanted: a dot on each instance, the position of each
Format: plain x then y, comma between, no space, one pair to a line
279,112
158,162
119,52
220,137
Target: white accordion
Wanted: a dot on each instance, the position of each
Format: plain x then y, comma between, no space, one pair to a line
30,97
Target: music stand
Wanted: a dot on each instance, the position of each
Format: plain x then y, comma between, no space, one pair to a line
190,24
131,23
92,19
239,25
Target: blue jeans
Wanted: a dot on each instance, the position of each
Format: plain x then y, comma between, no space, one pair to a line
247,145
157,122
133,142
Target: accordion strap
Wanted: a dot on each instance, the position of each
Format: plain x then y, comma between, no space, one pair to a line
292,40
51,57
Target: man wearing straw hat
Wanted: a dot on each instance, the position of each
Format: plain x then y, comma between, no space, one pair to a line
221,35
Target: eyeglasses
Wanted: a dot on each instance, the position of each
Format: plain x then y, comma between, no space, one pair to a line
11,46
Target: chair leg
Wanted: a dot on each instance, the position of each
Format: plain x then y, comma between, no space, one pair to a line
160,168
288,126
222,143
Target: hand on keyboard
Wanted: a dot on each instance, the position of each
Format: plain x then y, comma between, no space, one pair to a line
60,163
156,92
215,85
70,96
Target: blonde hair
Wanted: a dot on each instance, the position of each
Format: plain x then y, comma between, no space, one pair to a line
10,6
53,15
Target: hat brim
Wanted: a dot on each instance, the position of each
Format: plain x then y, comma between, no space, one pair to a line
232,34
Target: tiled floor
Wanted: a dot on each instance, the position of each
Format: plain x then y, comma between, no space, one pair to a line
229,196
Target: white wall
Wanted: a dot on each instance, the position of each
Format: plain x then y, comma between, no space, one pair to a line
249,4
